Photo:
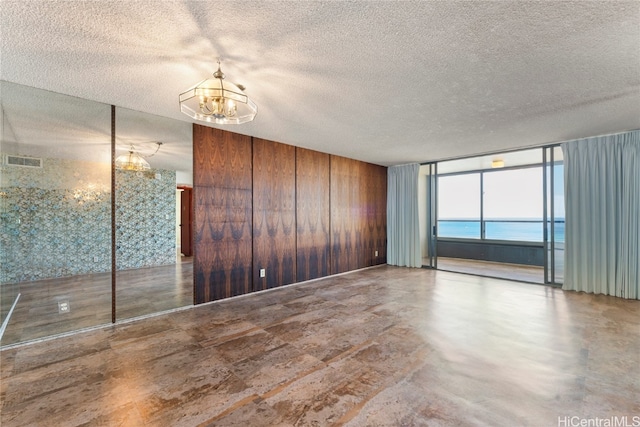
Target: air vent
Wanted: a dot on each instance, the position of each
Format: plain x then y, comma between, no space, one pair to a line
26,162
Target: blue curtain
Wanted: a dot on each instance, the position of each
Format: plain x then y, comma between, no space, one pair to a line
403,233
602,202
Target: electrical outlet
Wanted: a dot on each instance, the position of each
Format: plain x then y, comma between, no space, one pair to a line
263,272
376,253
96,259
64,307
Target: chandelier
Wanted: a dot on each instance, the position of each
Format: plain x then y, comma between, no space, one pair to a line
133,161
216,101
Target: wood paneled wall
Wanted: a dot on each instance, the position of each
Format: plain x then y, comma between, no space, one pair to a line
222,185
274,214
358,214
297,213
345,190
376,197
312,211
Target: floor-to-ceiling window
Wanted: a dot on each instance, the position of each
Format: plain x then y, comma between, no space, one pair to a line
459,207
494,216
512,204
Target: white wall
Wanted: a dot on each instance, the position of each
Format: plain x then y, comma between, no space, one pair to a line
184,178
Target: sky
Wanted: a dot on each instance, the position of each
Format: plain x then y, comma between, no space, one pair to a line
508,194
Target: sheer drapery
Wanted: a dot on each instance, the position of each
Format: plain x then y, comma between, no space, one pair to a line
602,200
403,234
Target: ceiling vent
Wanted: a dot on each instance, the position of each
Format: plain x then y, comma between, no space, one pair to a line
26,162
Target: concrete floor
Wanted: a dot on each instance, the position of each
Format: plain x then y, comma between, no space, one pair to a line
385,346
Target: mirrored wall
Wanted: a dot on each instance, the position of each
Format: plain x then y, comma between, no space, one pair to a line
56,210
152,275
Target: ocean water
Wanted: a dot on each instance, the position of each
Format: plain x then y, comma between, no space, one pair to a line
517,230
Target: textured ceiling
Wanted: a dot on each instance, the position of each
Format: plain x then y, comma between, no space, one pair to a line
384,82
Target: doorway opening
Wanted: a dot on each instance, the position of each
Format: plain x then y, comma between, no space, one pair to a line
184,216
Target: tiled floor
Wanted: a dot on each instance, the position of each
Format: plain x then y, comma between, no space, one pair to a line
385,346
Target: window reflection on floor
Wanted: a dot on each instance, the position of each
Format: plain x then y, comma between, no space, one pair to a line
525,273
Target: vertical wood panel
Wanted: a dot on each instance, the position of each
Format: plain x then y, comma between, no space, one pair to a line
312,212
379,232
274,213
370,222
367,184
357,207
358,214
222,214
344,210
340,213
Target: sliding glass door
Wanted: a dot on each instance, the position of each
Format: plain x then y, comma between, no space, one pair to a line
554,217
490,215
513,204
427,210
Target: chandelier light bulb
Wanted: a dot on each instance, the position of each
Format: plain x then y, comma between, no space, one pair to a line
132,162
216,101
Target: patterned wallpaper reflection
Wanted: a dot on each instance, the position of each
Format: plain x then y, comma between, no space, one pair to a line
55,221
145,218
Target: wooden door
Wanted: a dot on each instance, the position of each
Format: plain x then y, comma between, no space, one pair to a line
186,221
